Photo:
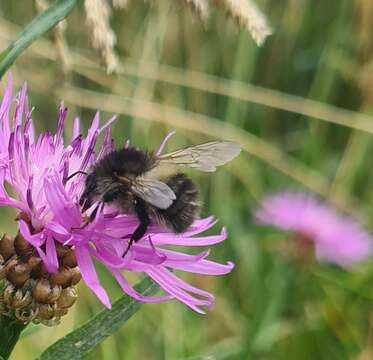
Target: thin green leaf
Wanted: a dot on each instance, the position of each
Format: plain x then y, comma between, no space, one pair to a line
37,27
84,339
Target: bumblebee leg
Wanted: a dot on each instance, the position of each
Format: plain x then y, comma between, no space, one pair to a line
76,173
142,214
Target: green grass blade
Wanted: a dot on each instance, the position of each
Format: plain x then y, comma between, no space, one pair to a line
84,339
37,27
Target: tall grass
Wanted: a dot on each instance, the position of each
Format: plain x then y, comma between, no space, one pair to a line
299,105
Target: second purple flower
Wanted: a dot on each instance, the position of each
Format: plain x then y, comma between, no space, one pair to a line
337,238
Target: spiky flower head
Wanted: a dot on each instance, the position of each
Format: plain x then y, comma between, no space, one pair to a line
336,238
56,243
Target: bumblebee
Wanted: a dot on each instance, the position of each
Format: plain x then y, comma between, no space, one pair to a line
126,179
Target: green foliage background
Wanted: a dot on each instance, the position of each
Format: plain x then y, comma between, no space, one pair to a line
272,306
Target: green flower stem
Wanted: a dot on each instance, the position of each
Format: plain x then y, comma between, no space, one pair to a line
10,330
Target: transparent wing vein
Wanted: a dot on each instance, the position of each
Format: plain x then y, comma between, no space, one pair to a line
203,157
154,192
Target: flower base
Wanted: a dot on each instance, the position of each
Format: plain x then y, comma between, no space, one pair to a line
28,293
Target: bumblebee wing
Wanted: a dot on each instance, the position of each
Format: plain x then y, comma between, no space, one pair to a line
154,192
203,157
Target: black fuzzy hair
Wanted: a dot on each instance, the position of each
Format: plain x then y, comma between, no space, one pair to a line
183,211
125,161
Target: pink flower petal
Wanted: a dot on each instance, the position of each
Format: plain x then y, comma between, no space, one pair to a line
36,239
89,275
128,289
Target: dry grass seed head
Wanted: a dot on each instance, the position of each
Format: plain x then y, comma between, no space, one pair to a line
248,15
102,35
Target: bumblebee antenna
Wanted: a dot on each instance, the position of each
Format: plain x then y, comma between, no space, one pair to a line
76,173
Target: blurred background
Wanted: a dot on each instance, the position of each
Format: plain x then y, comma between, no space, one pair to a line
299,105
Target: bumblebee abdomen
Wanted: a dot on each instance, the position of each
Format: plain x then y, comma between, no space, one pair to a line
183,211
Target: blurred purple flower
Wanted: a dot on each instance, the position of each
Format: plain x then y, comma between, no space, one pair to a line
37,168
337,239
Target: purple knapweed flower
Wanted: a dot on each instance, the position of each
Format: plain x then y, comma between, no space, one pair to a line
37,167
337,239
